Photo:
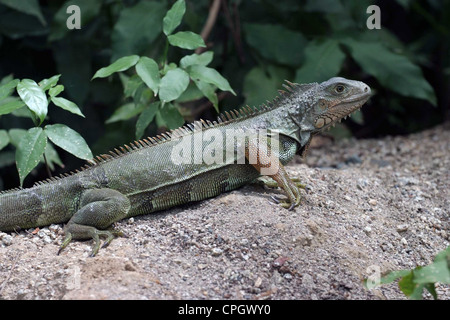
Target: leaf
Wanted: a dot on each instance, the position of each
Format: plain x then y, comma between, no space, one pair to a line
209,75
30,7
34,97
171,116
69,140
203,59
52,157
7,78
323,60
49,83
29,150
53,92
119,65
125,112
4,139
17,25
74,60
186,40
173,17
67,105
276,43
173,84
394,71
145,118
438,271
7,88
148,70
130,84
409,288
9,105
15,135
260,85
209,91
137,28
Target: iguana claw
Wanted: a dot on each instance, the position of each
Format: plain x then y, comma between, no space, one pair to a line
87,232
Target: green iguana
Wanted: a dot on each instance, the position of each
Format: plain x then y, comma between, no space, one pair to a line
148,176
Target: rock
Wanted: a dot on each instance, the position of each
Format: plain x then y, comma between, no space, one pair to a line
402,227
216,252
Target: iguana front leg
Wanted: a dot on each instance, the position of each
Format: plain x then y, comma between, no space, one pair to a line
261,156
99,208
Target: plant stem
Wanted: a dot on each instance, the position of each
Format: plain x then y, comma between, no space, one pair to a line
166,50
47,167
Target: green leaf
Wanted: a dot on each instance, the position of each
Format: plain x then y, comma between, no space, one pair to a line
209,91
173,17
67,105
203,59
261,85
29,150
276,43
15,135
438,271
409,288
171,116
125,112
119,65
190,94
69,140
137,28
53,92
34,97
148,70
30,7
52,157
130,84
7,78
173,84
9,105
49,83
323,60
186,40
4,139
394,71
7,88
209,75
145,118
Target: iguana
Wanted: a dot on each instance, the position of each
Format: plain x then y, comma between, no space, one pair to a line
143,178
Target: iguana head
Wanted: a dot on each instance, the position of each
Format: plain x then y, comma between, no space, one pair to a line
319,106
336,99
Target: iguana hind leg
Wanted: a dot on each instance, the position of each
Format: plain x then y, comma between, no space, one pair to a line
99,208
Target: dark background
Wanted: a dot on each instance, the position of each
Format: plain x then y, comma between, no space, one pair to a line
256,45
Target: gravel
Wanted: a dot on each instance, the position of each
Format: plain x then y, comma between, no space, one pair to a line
369,206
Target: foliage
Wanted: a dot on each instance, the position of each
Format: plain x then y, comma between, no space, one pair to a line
167,82
32,145
413,282
254,44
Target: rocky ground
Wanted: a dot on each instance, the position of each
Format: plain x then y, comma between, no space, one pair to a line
369,206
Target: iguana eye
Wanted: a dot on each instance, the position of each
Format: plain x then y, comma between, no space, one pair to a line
339,88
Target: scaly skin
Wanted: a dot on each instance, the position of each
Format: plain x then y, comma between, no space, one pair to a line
144,178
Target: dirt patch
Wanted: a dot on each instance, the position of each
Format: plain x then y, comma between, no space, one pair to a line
369,206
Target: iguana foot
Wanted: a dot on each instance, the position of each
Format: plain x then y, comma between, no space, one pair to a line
81,232
290,202
273,184
285,203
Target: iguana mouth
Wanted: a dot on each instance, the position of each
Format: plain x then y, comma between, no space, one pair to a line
342,110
